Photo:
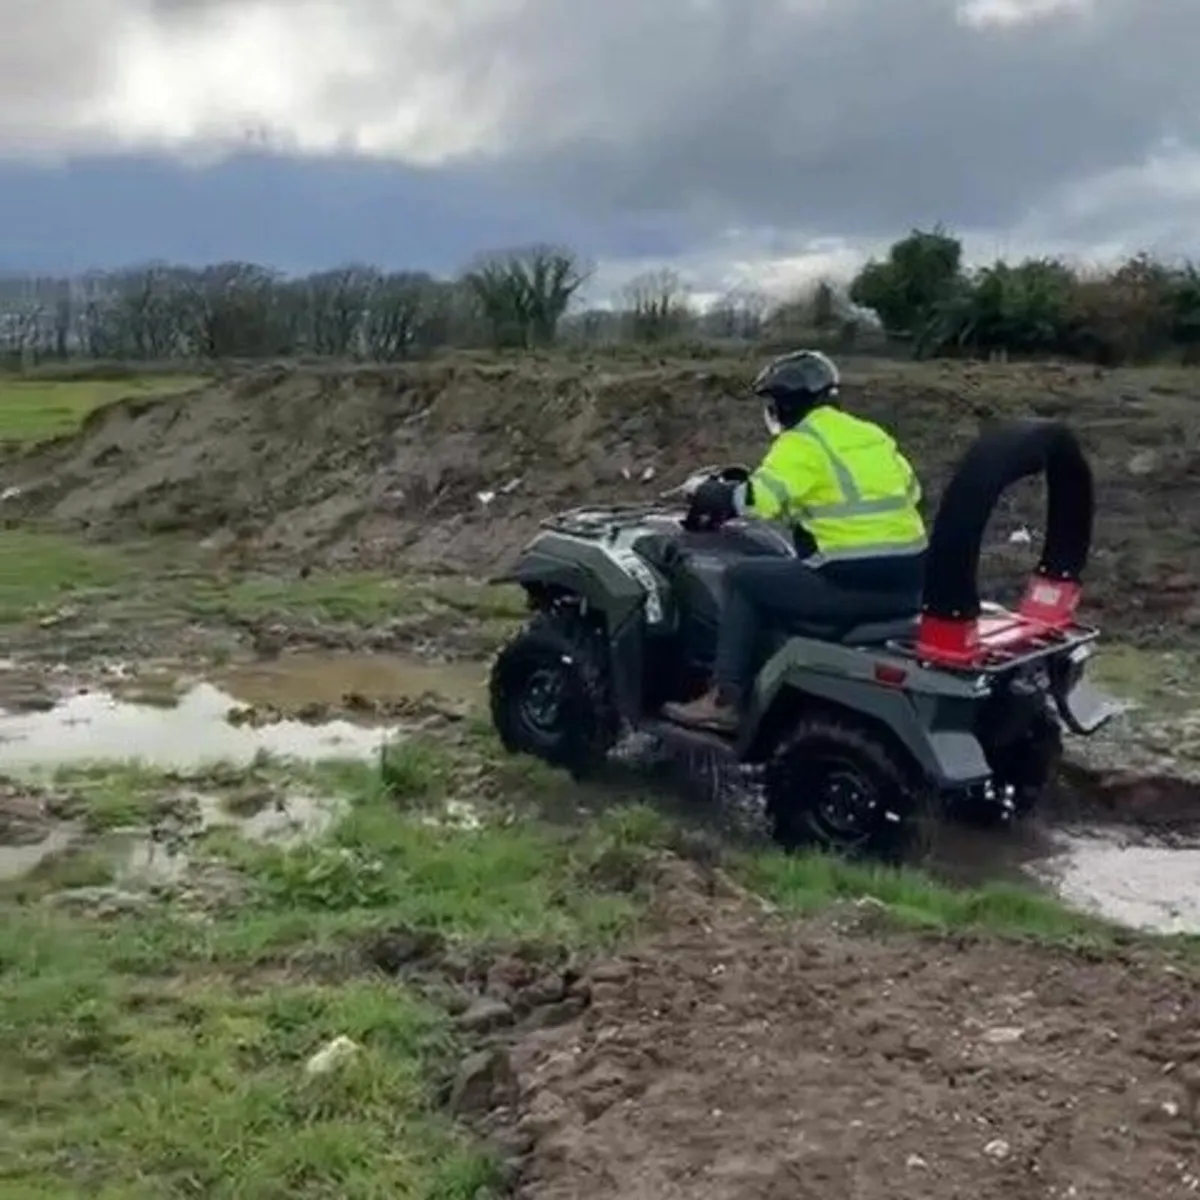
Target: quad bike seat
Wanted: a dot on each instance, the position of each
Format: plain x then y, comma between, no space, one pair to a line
861,618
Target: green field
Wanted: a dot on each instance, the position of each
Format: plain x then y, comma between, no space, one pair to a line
33,410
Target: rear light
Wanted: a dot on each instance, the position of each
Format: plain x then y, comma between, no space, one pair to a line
890,675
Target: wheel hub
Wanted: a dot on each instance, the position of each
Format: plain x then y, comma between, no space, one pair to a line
541,703
847,806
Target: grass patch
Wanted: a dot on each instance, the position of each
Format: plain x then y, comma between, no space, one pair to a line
357,598
33,410
116,1088
1163,681
808,883
46,575
41,572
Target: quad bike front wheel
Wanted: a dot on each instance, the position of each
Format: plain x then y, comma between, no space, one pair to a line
550,695
832,786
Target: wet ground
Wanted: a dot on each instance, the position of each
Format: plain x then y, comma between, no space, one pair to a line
203,755
727,1053
1134,860
203,725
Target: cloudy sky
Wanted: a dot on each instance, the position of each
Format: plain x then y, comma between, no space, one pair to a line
743,140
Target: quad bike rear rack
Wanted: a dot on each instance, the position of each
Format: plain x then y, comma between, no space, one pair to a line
957,630
998,639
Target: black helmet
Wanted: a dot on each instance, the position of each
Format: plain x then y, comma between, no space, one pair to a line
792,385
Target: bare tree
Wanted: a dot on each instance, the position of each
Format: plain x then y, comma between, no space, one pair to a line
657,306
737,314
524,294
399,307
339,301
227,311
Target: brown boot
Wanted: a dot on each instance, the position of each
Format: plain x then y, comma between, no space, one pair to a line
714,710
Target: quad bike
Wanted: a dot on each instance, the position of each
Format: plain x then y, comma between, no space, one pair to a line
852,728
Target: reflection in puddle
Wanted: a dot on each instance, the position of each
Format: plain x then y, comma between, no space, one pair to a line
1150,887
138,856
97,727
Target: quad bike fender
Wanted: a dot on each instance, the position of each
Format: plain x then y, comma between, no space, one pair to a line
935,731
1083,708
562,566
556,567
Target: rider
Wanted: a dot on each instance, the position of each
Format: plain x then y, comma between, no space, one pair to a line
851,499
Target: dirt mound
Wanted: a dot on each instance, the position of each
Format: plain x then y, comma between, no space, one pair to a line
450,464
729,1058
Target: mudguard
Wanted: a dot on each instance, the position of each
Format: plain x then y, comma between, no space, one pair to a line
556,562
932,716
1085,709
617,586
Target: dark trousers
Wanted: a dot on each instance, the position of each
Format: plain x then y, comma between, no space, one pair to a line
766,592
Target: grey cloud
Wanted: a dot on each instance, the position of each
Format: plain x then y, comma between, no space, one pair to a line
53,58
850,118
858,119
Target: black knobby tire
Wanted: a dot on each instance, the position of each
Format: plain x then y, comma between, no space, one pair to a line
823,759
550,693
1029,764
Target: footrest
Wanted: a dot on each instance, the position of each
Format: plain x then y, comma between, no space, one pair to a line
709,739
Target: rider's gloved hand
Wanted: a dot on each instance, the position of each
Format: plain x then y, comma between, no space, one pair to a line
714,501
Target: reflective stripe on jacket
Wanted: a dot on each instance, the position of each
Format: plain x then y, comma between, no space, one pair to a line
846,483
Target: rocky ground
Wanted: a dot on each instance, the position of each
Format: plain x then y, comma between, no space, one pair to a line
291,957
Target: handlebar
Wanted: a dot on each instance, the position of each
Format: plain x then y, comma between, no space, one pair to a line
734,473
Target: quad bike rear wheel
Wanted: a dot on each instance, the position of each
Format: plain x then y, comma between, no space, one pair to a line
1029,764
833,786
550,695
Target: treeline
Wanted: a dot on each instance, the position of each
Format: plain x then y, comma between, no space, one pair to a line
920,296
520,299
1140,311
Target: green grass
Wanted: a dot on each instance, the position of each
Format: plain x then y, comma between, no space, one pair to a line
50,576
33,410
41,572
359,598
115,1087
908,898
162,1056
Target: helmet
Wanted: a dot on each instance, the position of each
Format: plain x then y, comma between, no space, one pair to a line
792,385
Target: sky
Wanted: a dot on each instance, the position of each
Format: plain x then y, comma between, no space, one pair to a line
756,143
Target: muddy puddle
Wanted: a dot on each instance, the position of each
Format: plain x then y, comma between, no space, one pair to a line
99,727
306,707
144,857
1123,874
1151,887
361,683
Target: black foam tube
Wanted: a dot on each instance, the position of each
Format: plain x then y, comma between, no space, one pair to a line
999,458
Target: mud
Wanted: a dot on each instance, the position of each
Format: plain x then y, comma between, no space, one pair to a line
312,686
730,1054
450,465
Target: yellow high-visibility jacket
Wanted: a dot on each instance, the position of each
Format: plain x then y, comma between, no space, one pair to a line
845,482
